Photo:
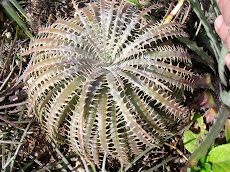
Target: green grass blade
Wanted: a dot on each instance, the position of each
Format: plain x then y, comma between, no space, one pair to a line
138,157
7,78
159,165
34,160
54,164
12,13
46,168
3,159
215,7
20,10
19,146
209,30
61,155
11,160
26,166
15,134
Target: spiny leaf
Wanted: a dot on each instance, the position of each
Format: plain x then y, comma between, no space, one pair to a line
104,83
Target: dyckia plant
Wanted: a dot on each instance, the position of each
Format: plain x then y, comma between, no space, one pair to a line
106,81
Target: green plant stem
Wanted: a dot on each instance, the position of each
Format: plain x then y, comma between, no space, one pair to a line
213,133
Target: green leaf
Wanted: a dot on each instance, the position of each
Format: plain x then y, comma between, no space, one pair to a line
215,130
193,169
219,157
202,160
202,130
191,140
206,168
204,165
227,131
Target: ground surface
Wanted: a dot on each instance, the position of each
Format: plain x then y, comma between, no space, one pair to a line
36,151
